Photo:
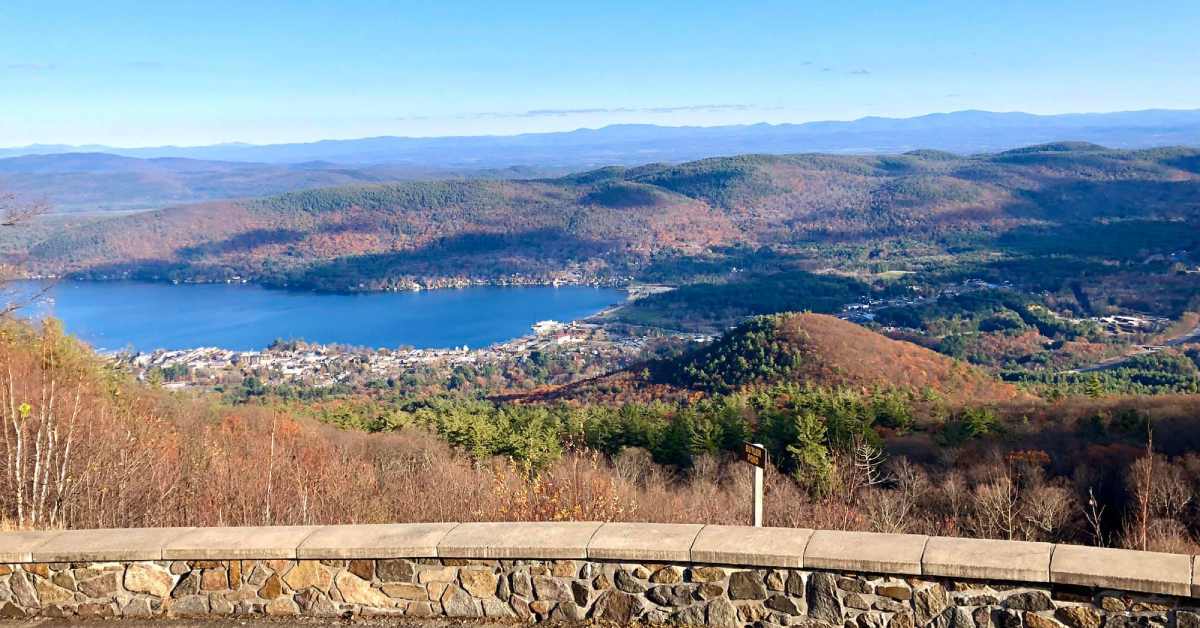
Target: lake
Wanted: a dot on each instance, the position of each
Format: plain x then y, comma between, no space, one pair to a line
147,316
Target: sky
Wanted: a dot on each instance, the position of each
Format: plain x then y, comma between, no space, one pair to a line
140,73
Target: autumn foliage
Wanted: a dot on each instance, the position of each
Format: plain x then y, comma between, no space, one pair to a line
84,446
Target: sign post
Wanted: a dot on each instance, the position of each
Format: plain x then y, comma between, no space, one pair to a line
756,455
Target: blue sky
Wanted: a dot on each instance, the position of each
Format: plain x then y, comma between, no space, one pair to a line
175,72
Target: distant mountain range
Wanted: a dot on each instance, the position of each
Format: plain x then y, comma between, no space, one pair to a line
99,182
105,178
960,132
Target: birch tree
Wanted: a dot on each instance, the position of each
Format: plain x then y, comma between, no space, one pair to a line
42,398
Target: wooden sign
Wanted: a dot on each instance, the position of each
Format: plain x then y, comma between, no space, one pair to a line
755,455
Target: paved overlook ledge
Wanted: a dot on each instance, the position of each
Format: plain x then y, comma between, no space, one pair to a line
571,571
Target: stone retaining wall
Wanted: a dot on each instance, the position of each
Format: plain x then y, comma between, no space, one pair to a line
682,574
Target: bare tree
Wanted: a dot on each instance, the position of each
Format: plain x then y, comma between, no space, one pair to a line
1172,494
633,465
15,211
1141,482
868,458
41,403
997,508
1047,511
895,509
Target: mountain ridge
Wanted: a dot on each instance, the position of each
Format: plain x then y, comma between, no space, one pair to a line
966,131
608,223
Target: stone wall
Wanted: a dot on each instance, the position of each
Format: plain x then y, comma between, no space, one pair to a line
620,573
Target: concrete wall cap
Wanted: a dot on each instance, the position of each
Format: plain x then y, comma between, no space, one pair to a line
987,559
108,544
399,540
861,552
17,546
1195,576
653,542
240,543
760,547
543,540
1147,572
866,552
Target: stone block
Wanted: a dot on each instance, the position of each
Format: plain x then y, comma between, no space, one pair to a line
648,542
458,603
413,540
548,540
759,547
619,608
822,598
308,573
276,542
149,578
865,552
478,582
103,585
548,588
405,591
355,590
113,544
987,559
667,575
1148,572
747,585
18,546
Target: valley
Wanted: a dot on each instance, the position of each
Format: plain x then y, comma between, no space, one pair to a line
438,313
1037,264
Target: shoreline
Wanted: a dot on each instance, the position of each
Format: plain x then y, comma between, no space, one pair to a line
397,334
398,285
327,365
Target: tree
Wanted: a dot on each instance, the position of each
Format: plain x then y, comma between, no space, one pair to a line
45,391
15,211
810,452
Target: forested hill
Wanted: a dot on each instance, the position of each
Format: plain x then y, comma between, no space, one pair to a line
800,349
611,223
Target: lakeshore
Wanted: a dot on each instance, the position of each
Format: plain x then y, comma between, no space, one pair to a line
145,317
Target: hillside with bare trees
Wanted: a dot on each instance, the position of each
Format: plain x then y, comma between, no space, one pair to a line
84,446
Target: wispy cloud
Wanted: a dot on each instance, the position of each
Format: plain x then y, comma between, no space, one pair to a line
542,113
860,72
145,65
731,107
30,67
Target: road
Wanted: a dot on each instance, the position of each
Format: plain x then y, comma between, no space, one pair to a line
1189,337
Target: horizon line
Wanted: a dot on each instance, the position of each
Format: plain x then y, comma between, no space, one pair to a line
238,143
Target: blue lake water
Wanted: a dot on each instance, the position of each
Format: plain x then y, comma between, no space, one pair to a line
148,316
